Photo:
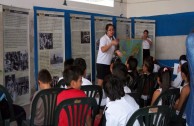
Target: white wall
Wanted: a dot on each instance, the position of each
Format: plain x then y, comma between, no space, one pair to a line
167,47
170,47
137,8
120,8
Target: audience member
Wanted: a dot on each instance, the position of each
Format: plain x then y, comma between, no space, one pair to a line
131,64
120,70
81,63
164,82
73,80
67,63
19,112
185,89
121,106
147,81
44,82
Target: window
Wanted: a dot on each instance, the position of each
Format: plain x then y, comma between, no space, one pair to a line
109,3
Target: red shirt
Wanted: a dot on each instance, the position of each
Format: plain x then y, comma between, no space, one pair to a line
67,94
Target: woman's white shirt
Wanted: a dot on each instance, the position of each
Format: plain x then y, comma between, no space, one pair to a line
105,57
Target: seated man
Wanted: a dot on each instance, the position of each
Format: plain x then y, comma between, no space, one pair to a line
73,81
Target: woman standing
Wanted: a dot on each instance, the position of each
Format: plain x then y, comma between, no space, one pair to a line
106,50
146,44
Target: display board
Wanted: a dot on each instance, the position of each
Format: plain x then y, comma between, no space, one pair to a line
123,28
50,42
81,39
14,52
140,26
132,47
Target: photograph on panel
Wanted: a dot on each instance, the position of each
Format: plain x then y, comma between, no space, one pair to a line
16,86
24,60
22,85
56,57
55,81
15,61
45,41
11,85
85,37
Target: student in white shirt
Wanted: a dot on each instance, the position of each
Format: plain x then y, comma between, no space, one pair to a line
81,63
120,70
121,106
67,63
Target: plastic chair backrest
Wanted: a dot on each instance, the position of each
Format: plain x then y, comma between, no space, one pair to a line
93,91
77,110
9,101
49,101
168,97
151,116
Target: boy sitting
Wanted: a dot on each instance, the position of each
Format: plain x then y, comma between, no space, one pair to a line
73,81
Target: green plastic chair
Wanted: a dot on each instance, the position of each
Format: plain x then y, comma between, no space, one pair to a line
151,116
93,91
49,101
77,116
10,105
168,97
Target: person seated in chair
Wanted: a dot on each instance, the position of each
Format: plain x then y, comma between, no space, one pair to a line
73,81
44,82
120,106
67,63
120,70
185,89
81,63
131,64
164,82
19,112
147,82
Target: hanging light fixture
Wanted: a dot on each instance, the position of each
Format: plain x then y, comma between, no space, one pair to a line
65,2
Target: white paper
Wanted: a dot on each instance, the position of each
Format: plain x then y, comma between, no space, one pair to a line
175,70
